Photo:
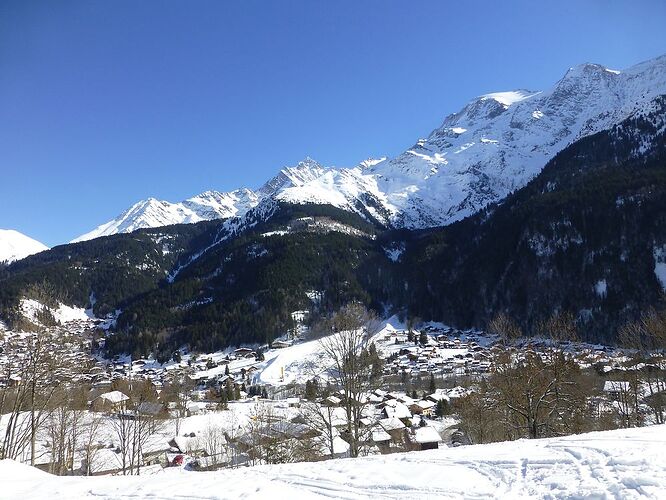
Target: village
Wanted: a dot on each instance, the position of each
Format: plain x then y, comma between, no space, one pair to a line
259,404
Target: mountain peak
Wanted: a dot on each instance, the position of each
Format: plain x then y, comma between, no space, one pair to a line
15,245
304,171
586,70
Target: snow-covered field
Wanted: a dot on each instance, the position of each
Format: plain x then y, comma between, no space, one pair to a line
622,464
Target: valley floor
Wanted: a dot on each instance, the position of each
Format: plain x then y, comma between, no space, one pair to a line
621,464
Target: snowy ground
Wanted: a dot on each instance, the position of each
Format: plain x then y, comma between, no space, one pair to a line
621,464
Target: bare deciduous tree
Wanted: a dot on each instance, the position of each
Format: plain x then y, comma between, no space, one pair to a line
505,328
346,350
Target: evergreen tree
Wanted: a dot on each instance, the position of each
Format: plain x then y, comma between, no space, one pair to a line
433,386
423,337
229,390
310,390
442,408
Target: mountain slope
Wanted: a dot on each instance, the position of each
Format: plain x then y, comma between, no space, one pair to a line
152,213
16,246
587,235
104,273
244,288
500,141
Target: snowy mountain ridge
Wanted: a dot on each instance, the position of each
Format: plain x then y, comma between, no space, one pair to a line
155,213
493,146
15,246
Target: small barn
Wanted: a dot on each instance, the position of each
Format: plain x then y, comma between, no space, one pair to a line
426,438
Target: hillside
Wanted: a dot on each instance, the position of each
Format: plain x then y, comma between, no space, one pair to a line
587,235
244,288
102,274
623,464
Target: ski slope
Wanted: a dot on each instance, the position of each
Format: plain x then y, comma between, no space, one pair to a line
294,364
622,464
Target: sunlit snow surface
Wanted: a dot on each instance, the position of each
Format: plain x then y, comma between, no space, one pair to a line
16,246
623,464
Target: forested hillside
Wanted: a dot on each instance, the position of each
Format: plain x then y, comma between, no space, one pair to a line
583,237
586,236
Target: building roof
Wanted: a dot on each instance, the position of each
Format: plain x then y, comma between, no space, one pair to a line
113,397
391,424
616,386
148,408
380,435
398,411
426,434
425,404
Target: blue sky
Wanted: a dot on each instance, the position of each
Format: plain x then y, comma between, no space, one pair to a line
106,103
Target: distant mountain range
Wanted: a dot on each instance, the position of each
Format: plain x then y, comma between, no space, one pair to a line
490,148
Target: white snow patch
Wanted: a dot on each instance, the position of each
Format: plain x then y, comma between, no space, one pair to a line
508,98
601,288
395,252
660,265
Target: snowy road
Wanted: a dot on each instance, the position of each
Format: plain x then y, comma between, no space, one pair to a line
621,464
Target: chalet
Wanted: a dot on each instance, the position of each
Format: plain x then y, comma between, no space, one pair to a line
397,410
615,388
293,402
394,427
114,401
190,445
281,344
195,408
426,438
380,437
333,400
423,407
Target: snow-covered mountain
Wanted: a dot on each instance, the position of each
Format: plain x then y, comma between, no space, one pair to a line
16,246
493,146
155,213
500,141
